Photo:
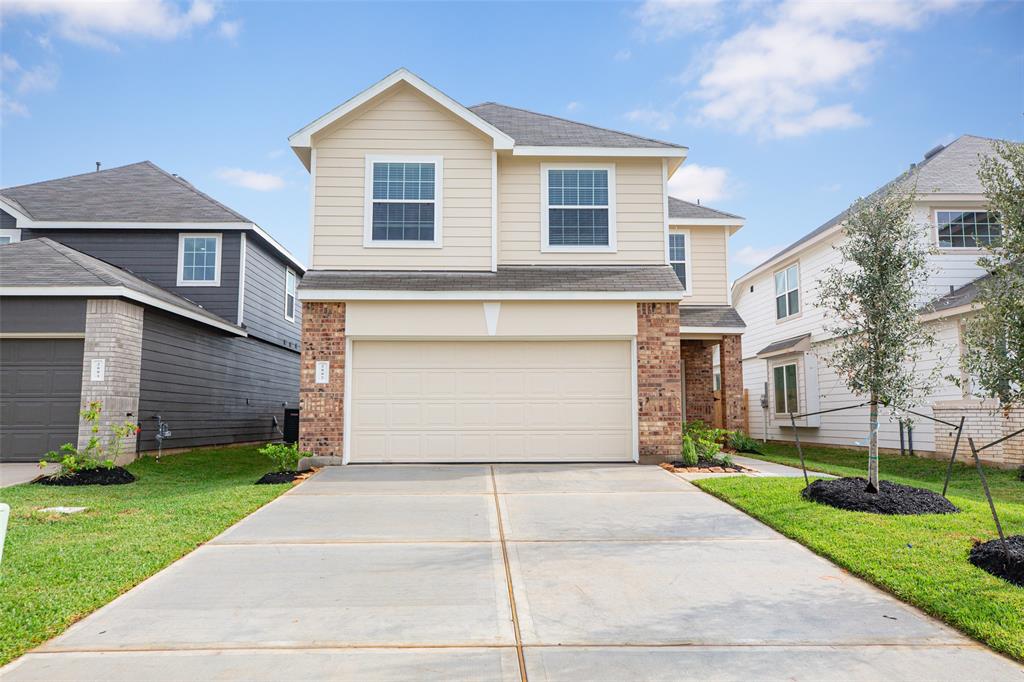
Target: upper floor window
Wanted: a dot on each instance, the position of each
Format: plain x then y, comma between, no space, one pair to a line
677,256
199,259
403,202
787,292
967,229
289,295
578,211
785,388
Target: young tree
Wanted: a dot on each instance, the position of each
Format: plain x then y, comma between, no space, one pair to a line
994,335
871,303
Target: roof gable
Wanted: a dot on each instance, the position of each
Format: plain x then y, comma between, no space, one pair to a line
685,210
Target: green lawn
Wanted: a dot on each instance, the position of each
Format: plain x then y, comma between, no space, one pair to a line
920,559
57,569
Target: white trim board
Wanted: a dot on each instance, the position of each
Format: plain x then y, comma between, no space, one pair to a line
215,282
406,295
712,330
118,292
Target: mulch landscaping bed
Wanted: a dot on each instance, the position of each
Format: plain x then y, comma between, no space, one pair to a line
709,466
892,498
990,556
281,477
98,476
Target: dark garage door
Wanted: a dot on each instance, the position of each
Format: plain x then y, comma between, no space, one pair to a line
40,386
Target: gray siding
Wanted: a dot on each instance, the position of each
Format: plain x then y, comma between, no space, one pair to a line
211,388
263,301
7,221
42,315
153,255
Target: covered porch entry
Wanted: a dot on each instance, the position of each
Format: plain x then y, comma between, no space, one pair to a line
711,372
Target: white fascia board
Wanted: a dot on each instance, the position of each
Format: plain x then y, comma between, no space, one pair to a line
303,138
118,292
288,255
712,330
710,222
667,152
403,295
23,218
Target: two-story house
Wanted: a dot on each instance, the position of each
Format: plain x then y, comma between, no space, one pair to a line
786,338
492,284
132,287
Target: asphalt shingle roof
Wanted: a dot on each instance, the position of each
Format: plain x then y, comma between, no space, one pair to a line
963,295
710,316
43,262
140,192
784,344
677,208
508,278
531,129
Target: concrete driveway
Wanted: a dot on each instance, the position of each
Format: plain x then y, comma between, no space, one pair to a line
477,572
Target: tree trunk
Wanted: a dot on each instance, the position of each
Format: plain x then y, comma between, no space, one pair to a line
873,448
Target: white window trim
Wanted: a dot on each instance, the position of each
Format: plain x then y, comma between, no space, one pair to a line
13,232
368,240
689,270
288,272
955,249
181,259
775,296
545,244
796,370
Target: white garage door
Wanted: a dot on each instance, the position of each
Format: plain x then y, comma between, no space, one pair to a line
499,401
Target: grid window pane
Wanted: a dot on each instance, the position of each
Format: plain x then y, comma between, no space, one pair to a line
781,310
403,201
787,292
680,269
199,259
676,247
794,302
967,229
578,226
403,181
780,283
780,389
403,222
577,187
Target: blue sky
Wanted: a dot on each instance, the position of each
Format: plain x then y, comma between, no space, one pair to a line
790,110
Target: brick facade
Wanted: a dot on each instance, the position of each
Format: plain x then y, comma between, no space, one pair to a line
321,424
698,369
113,333
731,361
658,384
984,422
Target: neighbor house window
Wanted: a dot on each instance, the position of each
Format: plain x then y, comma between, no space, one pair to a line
967,229
199,259
677,256
578,208
787,292
289,295
10,235
785,389
403,201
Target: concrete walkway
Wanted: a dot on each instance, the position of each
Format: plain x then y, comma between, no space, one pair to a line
13,473
505,573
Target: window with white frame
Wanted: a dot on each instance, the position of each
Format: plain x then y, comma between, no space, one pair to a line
199,259
289,295
787,292
785,388
9,235
677,247
403,201
967,229
579,207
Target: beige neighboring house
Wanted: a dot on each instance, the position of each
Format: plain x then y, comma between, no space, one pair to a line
493,284
786,340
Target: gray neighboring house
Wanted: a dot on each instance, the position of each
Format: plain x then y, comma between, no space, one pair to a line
132,287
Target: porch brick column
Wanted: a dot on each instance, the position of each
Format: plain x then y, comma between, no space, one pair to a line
321,406
658,392
730,356
698,365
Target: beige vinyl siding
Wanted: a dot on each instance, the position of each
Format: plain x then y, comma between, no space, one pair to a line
640,217
402,122
707,258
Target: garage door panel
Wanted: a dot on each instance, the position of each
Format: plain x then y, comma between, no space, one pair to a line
491,401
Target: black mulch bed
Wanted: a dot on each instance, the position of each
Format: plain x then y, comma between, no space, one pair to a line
707,463
98,476
892,498
279,477
991,556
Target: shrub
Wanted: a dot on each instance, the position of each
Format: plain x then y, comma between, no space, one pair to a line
689,452
284,456
706,440
741,442
94,455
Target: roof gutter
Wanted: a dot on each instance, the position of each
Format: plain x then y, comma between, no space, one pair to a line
407,295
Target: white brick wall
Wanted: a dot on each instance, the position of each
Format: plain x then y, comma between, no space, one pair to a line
985,422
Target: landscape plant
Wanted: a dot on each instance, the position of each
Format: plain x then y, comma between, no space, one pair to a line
284,456
688,455
95,454
871,301
741,442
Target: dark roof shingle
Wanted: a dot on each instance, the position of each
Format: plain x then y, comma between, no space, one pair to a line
710,316
677,208
784,344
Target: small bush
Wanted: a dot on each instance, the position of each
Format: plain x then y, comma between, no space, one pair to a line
706,440
741,442
94,455
689,452
284,456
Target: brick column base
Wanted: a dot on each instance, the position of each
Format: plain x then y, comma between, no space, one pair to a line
658,390
321,406
731,358
698,366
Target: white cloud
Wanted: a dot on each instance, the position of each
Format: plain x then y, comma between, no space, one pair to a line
230,30
669,18
38,78
12,107
623,55
751,256
8,64
261,182
572,106
693,182
97,23
771,77
661,120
